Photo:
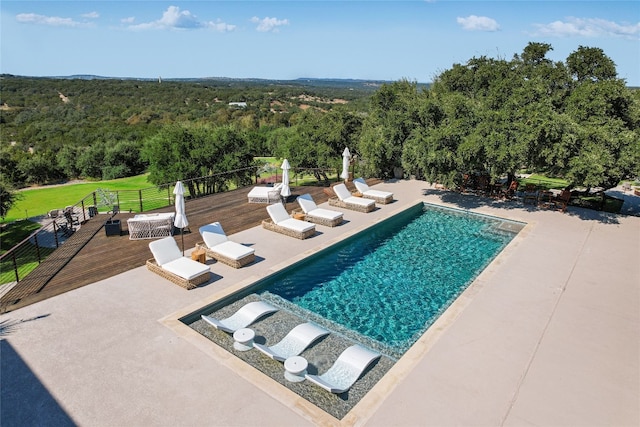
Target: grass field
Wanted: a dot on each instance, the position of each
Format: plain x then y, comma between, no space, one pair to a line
39,201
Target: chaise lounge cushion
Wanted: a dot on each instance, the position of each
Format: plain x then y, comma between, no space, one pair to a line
309,207
377,195
280,217
344,195
168,257
217,241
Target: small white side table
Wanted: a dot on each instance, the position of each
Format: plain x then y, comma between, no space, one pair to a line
243,339
295,368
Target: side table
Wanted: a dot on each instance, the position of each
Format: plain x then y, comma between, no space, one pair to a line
199,255
243,339
295,368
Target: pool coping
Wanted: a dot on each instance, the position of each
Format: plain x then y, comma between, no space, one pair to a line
368,405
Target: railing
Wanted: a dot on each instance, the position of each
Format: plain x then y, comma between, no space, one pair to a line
20,260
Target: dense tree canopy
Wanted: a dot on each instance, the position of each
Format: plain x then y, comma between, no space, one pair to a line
576,120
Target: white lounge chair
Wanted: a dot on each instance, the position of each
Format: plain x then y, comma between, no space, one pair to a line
218,246
265,194
281,222
346,370
169,263
318,215
242,318
347,200
294,343
382,197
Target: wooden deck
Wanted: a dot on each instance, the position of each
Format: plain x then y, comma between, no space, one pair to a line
95,256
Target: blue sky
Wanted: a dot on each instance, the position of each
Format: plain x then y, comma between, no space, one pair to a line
384,40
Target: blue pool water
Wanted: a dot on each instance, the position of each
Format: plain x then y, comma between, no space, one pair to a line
390,283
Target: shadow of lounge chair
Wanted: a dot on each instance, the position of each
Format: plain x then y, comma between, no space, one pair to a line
242,318
282,223
294,343
318,215
217,245
348,201
169,263
346,370
382,197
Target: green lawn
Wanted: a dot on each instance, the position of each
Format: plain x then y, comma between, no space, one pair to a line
39,201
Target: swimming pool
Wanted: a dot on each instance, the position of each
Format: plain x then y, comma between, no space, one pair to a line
386,285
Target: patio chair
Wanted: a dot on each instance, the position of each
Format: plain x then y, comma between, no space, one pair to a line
530,194
245,316
217,245
318,215
169,263
281,222
346,369
561,201
382,197
346,200
265,194
294,343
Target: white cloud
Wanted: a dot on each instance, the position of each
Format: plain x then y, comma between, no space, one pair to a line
478,23
54,21
269,24
588,27
91,15
174,18
128,21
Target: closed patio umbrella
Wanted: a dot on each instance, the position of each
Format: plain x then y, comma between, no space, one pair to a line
286,191
180,220
346,157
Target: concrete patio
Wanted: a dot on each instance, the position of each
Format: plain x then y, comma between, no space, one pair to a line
548,334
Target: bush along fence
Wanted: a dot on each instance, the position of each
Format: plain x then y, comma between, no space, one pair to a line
60,225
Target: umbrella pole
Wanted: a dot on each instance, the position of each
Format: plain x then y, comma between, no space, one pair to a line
182,238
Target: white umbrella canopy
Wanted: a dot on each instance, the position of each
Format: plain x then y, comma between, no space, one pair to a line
286,191
346,157
180,220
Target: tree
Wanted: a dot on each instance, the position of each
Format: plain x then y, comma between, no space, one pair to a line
185,152
8,197
496,117
391,119
590,63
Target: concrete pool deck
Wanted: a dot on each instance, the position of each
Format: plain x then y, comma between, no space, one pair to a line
548,334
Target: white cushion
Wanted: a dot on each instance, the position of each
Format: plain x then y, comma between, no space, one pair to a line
297,225
325,213
277,212
186,268
361,185
165,250
232,250
377,193
213,234
342,192
359,201
306,203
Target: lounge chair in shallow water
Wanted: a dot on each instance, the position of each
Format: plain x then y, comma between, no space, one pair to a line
242,318
318,215
218,246
169,263
349,201
294,343
382,197
282,223
346,370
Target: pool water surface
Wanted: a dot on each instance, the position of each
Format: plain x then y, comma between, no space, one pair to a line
388,284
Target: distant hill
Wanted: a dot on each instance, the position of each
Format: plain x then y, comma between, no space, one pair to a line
302,81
